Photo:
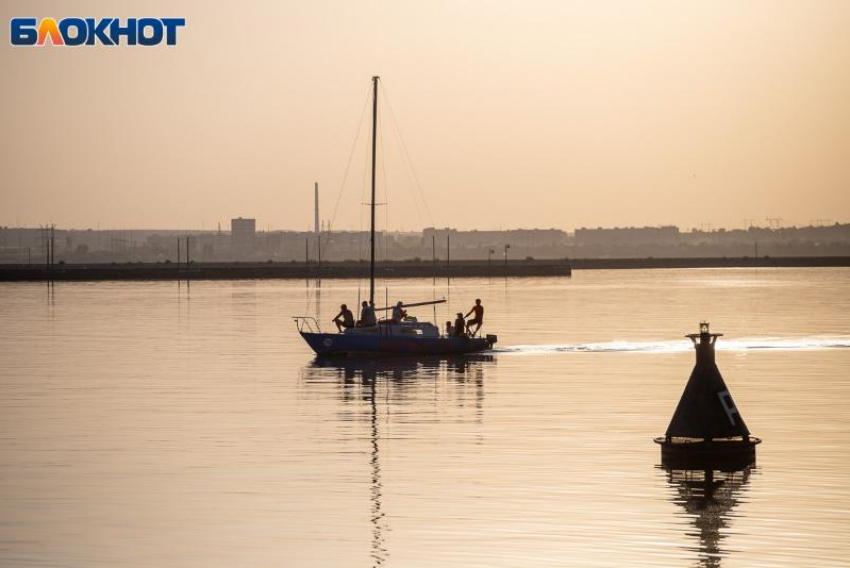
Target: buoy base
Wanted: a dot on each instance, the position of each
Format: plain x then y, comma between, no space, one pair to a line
720,454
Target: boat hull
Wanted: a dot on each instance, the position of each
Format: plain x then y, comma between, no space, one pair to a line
345,344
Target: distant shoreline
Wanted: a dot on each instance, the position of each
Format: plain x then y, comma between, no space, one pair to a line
712,262
390,269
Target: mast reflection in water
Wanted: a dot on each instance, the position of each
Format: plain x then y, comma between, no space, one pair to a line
708,497
385,382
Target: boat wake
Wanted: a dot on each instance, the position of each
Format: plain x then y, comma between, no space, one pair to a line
745,344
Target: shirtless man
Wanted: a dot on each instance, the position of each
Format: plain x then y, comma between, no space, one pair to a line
344,319
478,310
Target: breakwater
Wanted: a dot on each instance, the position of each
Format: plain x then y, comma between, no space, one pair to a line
291,270
401,269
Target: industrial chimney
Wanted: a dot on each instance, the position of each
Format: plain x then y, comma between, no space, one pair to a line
316,219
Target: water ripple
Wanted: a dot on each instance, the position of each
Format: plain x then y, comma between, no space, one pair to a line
743,344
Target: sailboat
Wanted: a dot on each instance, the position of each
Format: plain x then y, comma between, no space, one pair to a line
405,337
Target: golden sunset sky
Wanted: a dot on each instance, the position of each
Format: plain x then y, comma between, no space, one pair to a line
515,114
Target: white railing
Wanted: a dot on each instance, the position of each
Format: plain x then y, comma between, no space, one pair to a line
307,324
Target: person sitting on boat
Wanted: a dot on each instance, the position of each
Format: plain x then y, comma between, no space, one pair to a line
449,329
399,313
478,310
344,319
367,315
459,326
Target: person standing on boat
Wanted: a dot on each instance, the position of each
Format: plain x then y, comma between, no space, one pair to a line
478,310
367,315
344,319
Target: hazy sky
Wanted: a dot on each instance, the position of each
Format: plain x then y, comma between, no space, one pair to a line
515,114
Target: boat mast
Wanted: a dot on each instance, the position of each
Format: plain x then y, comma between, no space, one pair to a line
372,230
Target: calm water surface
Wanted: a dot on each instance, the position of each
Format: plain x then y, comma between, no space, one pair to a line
151,424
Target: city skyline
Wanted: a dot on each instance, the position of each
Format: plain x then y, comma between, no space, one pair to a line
771,223
242,242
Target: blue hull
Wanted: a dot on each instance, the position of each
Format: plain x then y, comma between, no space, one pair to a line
343,344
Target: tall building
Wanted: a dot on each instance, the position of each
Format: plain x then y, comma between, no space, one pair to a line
242,232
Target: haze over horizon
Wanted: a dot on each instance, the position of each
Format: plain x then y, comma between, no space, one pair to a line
546,115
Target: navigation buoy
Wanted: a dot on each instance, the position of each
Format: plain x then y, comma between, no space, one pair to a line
707,429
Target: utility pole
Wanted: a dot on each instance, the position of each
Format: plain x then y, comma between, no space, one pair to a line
506,258
434,256
448,249
774,222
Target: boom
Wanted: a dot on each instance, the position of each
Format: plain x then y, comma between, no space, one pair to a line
413,305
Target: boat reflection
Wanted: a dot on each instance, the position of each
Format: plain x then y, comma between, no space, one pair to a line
403,380
406,378
707,497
